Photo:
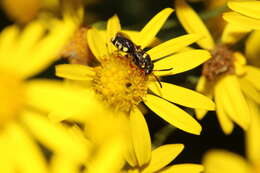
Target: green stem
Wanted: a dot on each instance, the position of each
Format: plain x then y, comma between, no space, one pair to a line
162,135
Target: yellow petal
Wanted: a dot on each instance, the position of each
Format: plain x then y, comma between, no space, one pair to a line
249,90
130,155
29,37
204,87
134,35
140,136
253,76
225,102
162,156
248,8
8,37
108,158
233,33
7,159
183,96
135,170
253,134
47,50
74,71
65,101
23,44
173,114
113,26
240,20
8,40
28,156
239,63
63,164
184,168
54,136
224,162
97,43
223,118
252,48
232,98
181,62
193,24
200,113
150,30
172,46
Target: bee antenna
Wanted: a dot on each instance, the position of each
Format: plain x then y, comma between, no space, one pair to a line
167,69
157,80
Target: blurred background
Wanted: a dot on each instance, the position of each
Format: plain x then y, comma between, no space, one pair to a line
134,14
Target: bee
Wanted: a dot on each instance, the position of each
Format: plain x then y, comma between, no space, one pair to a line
141,59
139,56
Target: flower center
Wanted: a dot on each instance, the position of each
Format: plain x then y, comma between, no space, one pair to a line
222,62
119,82
77,50
11,96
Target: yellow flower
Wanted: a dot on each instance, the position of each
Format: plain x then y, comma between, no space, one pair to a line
161,157
119,85
226,162
246,14
24,103
226,77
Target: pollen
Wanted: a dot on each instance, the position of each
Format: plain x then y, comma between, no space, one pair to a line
11,97
119,82
222,62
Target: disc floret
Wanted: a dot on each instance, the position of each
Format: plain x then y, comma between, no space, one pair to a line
119,82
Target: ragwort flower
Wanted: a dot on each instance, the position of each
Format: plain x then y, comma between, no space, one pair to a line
225,162
121,86
24,103
226,77
246,14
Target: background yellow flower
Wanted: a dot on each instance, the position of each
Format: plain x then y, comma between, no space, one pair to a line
225,77
25,103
